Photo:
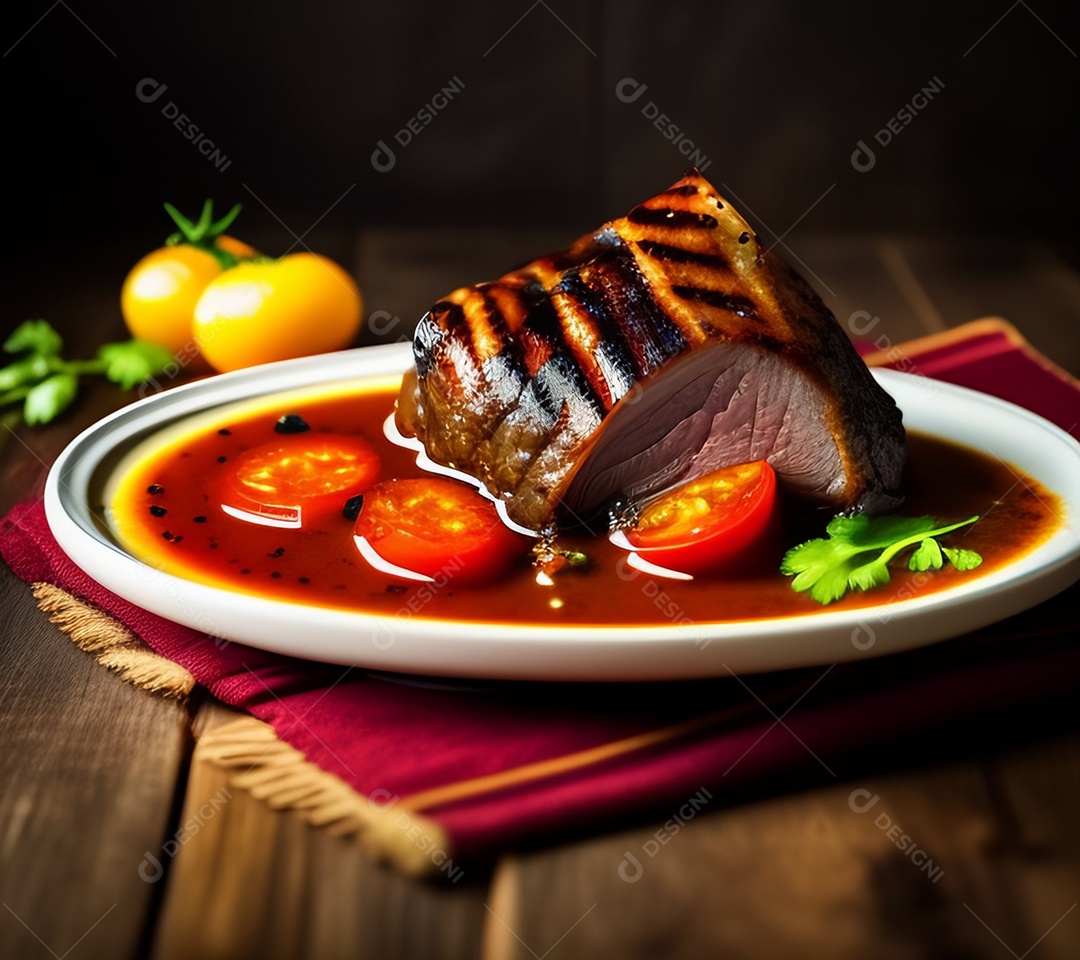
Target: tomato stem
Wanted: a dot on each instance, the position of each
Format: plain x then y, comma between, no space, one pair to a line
204,233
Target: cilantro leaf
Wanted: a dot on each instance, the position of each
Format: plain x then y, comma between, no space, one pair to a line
36,335
962,559
926,557
50,397
44,383
133,361
820,567
28,370
876,533
856,552
869,575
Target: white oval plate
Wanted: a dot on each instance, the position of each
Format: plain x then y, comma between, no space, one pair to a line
536,652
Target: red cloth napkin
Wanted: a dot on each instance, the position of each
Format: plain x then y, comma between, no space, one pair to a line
500,764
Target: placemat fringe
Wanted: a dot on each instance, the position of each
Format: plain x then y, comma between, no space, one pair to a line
112,644
278,774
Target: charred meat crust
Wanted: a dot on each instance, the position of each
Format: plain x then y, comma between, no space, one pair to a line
517,380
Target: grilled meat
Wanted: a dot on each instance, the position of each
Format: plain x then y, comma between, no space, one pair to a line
663,346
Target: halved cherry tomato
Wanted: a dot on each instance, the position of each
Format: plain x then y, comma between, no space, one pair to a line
435,527
709,523
294,479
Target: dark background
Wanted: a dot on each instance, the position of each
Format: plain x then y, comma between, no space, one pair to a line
775,94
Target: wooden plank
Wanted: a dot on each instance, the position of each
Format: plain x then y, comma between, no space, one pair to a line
91,763
252,882
1031,896
90,769
809,875
1024,281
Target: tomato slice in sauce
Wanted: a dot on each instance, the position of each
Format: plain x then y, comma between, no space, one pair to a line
711,523
434,528
296,479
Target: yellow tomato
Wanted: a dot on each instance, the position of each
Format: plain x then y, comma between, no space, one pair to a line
159,295
268,310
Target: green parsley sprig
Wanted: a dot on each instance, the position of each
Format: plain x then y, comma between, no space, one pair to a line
856,553
46,384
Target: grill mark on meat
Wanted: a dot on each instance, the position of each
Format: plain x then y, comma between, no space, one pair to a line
449,316
650,333
666,217
497,328
742,306
684,190
544,325
512,304
485,327
505,362
664,251
583,333
612,349
535,351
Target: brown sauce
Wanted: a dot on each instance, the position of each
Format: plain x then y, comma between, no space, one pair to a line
166,511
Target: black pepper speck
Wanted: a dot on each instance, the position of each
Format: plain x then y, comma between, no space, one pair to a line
291,423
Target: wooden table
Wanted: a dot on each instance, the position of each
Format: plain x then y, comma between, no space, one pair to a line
96,773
